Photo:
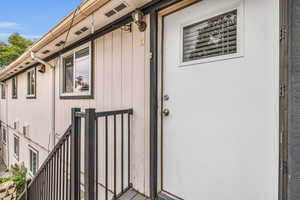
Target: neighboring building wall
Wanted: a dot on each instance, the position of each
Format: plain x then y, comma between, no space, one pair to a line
121,81
35,113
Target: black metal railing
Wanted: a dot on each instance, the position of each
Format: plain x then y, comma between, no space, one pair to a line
93,165
52,179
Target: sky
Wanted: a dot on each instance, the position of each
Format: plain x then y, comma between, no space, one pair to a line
32,18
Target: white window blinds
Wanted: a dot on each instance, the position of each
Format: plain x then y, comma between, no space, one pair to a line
212,37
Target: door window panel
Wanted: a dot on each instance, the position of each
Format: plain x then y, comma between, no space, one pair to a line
213,37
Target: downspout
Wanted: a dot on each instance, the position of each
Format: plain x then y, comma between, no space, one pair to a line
6,115
53,134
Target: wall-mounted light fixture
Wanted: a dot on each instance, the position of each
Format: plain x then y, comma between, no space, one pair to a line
138,19
42,69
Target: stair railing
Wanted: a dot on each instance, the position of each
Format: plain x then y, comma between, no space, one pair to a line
93,165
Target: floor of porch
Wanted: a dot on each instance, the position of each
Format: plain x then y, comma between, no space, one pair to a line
133,195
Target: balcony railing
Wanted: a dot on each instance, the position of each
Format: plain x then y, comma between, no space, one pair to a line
93,165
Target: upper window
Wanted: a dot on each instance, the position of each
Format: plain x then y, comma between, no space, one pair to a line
76,73
31,83
14,88
3,92
33,160
16,147
216,36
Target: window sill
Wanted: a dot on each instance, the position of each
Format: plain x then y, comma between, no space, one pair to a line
76,96
30,97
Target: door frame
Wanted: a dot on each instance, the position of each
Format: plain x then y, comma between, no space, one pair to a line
159,16
283,100
156,89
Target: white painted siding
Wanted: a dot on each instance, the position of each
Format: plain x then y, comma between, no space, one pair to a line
33,112
121,81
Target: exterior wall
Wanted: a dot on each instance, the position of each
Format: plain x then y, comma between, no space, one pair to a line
121,80
33,112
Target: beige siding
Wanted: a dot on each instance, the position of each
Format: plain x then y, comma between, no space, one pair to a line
121,81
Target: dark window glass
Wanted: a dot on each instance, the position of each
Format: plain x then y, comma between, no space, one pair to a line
31,83
14,87
4,135
16,147
33,161
68,65
3,91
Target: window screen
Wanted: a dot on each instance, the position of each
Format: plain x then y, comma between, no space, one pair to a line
212,37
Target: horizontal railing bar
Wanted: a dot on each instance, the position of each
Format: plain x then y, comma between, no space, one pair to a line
115,112
57,146
80,114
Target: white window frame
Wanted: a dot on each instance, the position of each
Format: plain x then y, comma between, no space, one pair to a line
72,94
30,148
4,139
35,76
240,34
17,155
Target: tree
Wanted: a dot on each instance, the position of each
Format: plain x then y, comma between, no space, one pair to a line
11,50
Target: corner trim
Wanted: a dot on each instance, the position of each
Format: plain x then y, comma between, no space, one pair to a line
153,104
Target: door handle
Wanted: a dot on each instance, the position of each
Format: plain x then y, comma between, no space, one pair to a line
166,112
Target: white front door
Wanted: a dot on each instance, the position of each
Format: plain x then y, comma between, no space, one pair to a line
220,67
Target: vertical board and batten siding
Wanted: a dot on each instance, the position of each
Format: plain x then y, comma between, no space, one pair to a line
121,81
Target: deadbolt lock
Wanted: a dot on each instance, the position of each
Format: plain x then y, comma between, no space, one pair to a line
166,97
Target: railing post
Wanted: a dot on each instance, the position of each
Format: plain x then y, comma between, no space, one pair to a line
75,155
90,155
26,189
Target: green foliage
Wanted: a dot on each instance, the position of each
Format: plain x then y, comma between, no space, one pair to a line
13,49
3,180
18,177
